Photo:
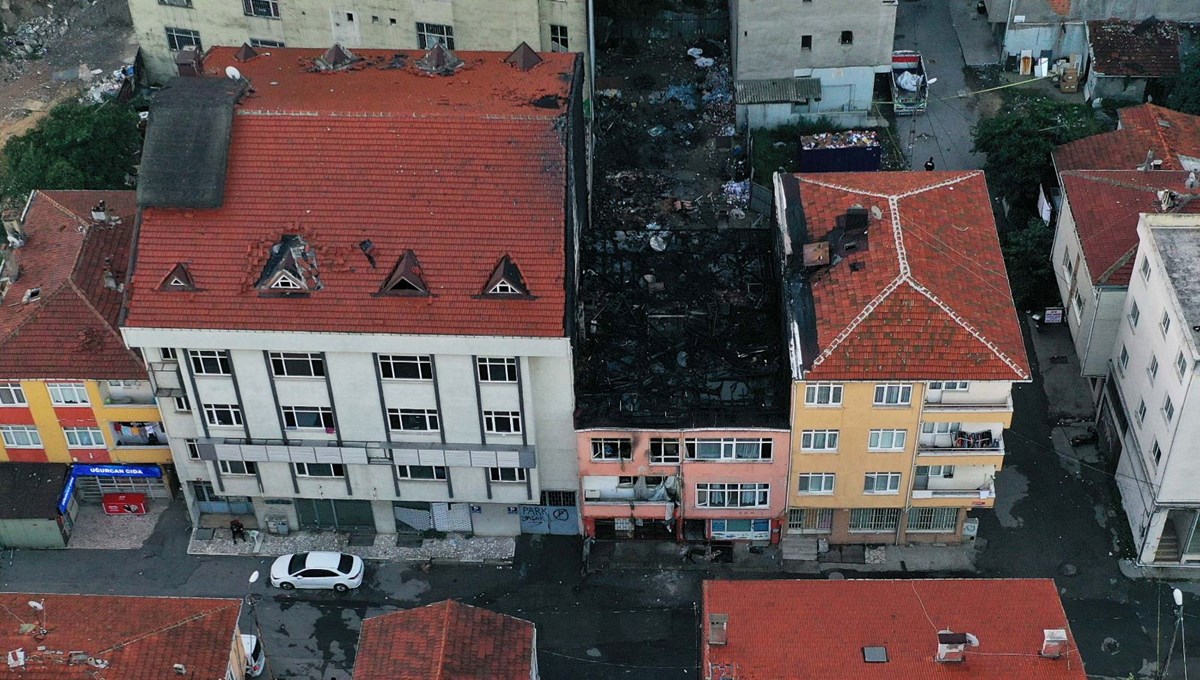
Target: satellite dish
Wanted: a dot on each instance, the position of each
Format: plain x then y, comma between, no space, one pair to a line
233,73
876,212
36,606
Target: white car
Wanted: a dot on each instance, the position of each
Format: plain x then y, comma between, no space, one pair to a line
338,571
255,659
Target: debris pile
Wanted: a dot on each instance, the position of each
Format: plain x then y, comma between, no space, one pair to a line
839,140
29,39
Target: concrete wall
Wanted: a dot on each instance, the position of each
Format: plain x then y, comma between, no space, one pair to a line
38,534
1062,39
1099,86
544,397
769,35
477,24
845,98
1135,9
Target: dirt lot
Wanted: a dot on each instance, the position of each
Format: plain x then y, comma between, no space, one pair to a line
78,37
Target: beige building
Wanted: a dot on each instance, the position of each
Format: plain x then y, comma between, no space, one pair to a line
163,27
904,346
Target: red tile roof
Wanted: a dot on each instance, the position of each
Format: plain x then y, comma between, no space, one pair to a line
71,331
444,641
1179,132
140,638
932,300
1169,134
460,169
1146,49
1105,205
1007,616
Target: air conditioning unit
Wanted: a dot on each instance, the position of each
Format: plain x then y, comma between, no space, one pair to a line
591,494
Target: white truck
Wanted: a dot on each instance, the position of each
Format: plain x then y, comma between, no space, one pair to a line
910,87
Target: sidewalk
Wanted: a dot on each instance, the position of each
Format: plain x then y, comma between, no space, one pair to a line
453,549
974,34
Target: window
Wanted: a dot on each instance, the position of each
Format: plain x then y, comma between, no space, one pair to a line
261,8
1168,409
1134,314
297,364
558,498
11,394
1165,323
823,394
307,417
259,42
405,367
1067,265
193,450
237,467
209,362
84,438
1077,305
176,3
498,474
932,519
503,287
945,471
806,42
168,354
1123,360
664,451
881,482
728,449
68,394
950,385
626,481
612,449
21,436
182,403
1181,365
502,422
749,495
893,395
1152,369
847,37
815,483
431,472
819,440
1140,413
497,369
429,35
223,415
413,420
558,39
319,469
887,440
179,38
1145,269
874,519
1156,451
939,428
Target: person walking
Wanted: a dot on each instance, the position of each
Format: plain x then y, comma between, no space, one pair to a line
929,163
237,530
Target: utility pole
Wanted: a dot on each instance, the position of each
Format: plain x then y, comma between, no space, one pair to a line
1177,594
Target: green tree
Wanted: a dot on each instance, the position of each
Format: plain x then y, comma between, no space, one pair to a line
1185,87
1030,270
76,146
1019,139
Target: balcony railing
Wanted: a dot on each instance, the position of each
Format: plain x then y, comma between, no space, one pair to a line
984,492
964,446
1005,405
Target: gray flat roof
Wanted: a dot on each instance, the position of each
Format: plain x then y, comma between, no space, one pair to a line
1179,249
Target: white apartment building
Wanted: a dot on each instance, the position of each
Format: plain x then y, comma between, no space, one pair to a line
1151,406
347,327
795,59
163,27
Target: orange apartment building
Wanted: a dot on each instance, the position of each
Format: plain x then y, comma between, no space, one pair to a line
904,346
70,391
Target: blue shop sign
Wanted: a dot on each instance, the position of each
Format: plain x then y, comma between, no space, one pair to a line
116,471
65,498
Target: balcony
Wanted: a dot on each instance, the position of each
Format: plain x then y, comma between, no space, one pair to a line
984,492
134,435
368,452
127,393
944,406
963,444
622,490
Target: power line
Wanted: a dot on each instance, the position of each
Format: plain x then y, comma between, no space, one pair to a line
618,665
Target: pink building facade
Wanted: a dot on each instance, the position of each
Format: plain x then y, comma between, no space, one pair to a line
684,484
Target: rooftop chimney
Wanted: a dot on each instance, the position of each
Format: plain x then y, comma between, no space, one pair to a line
1191,182
99,212
189,62
952,646
718,629
1148,164
1054,642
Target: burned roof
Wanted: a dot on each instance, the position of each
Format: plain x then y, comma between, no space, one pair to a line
1146,49
187,143
30,490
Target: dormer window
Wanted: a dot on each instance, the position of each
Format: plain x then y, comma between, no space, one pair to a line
287,281
291,269
406,278
179,279
506,281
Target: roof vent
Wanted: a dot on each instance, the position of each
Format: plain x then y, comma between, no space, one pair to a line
718,629
100,212
816,254
857,266
952,646
291,268
180,669
523,58
32,295
856,217
1147,164
335,57
1166,199
1191,182
506,280
875,654
189,62
245,53
16,658
439,60
178,279
406,278
1054,642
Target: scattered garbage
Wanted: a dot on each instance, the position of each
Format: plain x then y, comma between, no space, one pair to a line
108,87
656,131
695,52
839,140
705,62
737,193
685,94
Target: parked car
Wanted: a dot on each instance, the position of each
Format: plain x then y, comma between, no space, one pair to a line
338,571
256,661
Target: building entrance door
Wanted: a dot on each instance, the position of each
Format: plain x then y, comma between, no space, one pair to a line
337,515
